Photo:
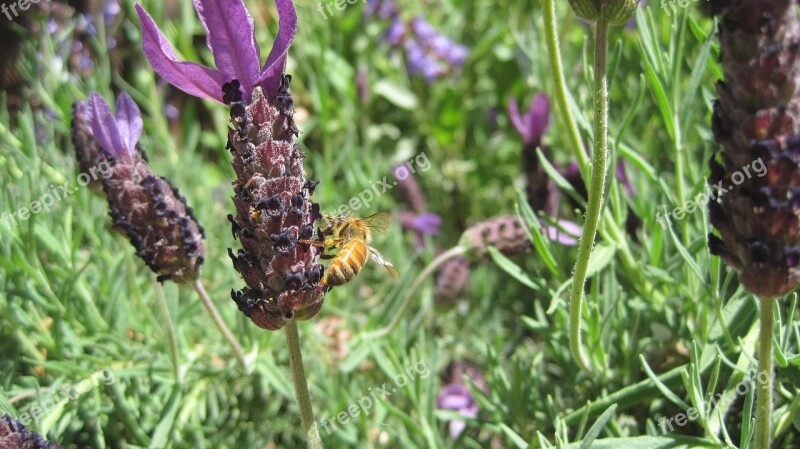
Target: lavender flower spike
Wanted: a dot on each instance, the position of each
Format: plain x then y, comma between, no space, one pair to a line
231,39
143,206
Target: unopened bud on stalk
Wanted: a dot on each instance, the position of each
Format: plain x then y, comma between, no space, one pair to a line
617,12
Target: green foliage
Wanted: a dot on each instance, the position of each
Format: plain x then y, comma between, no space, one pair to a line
672,331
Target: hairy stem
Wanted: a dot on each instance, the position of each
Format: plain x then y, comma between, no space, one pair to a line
599,162
301,387
172,339
215,316
557,72
765,365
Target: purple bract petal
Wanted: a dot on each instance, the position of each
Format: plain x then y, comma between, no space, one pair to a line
189,77
273,69
104,127
230,36
516,119
129,121
454,397
566,233
427,223
623,178
538,117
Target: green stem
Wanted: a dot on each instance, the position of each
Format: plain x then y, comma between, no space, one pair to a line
406,304
599,161
172,339
215,316
765,364
557,72
574,136
300,387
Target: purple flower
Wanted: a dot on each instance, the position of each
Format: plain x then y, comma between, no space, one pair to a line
396,32
231,39
534,123
116,134
384,9
457,397
425,223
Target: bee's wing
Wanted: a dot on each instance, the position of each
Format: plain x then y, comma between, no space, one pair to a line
378,223
380,259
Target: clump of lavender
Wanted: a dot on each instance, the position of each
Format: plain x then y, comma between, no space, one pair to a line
145,207
271,194
14,435
428,53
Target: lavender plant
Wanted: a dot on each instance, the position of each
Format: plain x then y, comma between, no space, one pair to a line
271,194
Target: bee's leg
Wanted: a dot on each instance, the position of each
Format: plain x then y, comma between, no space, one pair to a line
324,243
327,256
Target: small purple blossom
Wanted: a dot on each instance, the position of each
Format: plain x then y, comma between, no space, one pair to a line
423,224
457,397
383,9
230,35
534,123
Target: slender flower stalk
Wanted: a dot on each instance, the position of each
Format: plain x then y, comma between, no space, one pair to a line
220,323
605,12
598,179
765,365
310,429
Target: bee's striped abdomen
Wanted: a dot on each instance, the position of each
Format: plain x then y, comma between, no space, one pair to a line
347,263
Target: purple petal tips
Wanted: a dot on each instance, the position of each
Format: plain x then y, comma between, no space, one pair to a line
231,39
272,73
189,77
230,36
104,127
534,123
129,121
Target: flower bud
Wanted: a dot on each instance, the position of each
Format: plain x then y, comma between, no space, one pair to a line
617,12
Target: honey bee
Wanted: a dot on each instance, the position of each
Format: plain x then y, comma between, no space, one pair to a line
351,237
